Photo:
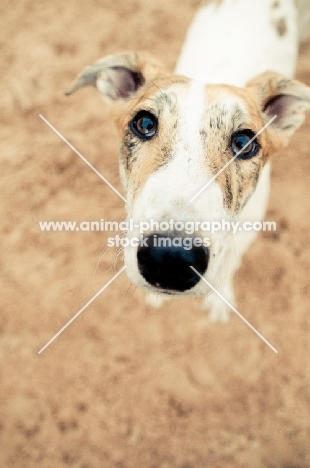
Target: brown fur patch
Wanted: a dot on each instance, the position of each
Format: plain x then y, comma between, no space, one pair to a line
239,179
281,26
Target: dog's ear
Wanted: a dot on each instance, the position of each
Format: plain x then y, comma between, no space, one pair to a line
288,99
119,76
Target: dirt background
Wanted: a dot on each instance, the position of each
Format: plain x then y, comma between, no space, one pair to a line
127,386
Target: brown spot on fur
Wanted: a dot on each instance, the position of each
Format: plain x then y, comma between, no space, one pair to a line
281,27
276,4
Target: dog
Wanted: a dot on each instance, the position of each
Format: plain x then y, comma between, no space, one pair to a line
192,146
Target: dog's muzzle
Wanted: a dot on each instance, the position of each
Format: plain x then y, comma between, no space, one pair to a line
167,266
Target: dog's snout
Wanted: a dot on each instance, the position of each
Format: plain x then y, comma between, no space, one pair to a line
165,265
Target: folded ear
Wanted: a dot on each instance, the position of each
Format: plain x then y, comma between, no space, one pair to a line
288,99
118,76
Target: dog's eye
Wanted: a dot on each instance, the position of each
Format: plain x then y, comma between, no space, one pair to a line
144,125
244,144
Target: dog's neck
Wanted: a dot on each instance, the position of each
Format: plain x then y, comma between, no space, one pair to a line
230,41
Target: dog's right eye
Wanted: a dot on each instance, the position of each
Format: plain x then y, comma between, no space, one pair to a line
144,125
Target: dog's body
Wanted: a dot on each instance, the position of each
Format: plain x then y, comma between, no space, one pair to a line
178,131
231,41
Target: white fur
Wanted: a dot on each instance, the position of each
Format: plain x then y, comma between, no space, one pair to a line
236,40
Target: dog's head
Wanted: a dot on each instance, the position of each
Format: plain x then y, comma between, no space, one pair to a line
176,136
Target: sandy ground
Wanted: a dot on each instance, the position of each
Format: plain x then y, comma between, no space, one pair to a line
127,386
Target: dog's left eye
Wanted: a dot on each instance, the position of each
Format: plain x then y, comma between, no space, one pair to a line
244,144
144,125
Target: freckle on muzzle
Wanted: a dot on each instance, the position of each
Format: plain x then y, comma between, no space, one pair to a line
167,266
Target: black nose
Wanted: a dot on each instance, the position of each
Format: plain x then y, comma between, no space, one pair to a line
167,266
